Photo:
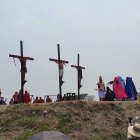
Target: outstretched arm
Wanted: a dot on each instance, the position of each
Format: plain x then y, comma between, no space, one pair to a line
64,64
56,62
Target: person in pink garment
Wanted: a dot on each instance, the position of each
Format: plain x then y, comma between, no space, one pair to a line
118,90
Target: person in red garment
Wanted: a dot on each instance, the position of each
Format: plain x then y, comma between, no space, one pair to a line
19,98
41,100
118,89
15,98
36,100
27,97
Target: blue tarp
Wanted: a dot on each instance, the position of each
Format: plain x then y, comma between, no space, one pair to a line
129,88
134,88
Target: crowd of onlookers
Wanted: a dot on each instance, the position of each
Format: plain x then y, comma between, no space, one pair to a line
18,98
40,100
123,90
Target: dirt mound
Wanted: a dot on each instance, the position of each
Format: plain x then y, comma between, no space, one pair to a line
80,120
3,108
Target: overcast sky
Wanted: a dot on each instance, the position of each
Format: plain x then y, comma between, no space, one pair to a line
106,34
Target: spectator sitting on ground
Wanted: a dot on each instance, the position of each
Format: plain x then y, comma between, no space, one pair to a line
41,100
59,97
2,102
15,98
36,100
134,130
48,99
110,95
64,97
11,101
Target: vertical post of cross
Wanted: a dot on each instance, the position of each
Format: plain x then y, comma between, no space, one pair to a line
61,64
79,74
22,80
78,84
23,70
60,88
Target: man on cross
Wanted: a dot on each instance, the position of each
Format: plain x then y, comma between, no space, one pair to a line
23,68
0,93
61,64
61,70
80,77
79,74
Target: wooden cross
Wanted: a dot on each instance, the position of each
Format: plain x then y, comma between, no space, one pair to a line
60,63
79,75
23,71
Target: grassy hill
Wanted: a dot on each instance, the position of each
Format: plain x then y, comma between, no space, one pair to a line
80,120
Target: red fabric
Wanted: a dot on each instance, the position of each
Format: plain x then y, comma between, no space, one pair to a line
27,98
19,98
41,101
15,97
35,101
118,89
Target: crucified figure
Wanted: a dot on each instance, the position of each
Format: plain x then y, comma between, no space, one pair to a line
80,77
61,70
23,68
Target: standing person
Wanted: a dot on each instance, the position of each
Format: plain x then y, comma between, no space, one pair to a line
61,70
27,97
19,97
101,89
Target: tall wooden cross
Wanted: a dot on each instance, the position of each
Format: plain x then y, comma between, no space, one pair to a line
79,75
23,70
61,64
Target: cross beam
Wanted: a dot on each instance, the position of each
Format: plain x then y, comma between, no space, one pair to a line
77,67
23,71
16,56
61,64
79,74
63,61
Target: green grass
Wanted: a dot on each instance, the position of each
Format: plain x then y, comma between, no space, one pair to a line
71,118
24,135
